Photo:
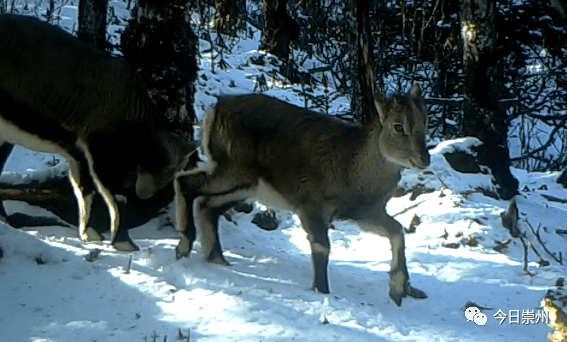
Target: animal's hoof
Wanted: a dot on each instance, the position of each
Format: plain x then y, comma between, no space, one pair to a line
416,293
180,254
398,285
397,297
218,258
90,235
321,288
125,246
410,291
323,291
183,249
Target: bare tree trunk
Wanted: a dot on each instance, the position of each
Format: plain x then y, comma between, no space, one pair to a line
159,42
482,117
49,13
227,16
562,179
365,61
227,9
92,22
280,29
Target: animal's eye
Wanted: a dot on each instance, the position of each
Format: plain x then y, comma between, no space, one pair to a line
399,128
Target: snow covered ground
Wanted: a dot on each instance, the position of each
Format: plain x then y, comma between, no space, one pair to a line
50,293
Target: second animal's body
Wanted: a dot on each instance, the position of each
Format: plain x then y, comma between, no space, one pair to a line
60,95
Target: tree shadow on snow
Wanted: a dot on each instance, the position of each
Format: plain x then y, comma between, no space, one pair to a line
280,273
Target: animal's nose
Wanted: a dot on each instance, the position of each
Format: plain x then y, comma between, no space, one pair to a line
423,160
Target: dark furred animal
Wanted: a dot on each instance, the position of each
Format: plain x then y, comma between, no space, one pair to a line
60,95
314,165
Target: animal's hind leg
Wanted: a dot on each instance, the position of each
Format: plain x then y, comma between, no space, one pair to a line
5,150
316,228
208,211
221,188
220,181
124,242
185,223
84,190
110,202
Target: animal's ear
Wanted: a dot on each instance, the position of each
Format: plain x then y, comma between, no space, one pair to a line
415,91
415,95
146,185
382,106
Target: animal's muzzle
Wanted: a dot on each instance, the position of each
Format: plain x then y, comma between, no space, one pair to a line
422,162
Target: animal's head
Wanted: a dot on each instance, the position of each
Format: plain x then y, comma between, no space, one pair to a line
404,123
171,155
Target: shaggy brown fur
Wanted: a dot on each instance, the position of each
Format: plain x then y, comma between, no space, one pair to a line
316,166
60,95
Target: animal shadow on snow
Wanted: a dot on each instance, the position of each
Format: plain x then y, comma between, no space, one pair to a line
285,270
278,265
267,267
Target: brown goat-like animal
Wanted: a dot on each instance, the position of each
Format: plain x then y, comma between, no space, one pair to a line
314,165
61,95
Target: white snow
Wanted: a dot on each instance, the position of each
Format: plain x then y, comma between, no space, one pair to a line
265,294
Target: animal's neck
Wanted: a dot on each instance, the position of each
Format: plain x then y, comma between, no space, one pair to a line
371,153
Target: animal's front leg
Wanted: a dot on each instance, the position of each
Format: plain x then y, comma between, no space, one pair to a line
376,220
399,276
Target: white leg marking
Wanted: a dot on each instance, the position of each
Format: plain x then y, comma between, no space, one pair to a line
104,192
83,202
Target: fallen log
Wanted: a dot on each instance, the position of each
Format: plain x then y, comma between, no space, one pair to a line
56,195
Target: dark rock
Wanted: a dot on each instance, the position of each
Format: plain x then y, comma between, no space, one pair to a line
498,161
266,220
562,179
462,162
452,245
495,159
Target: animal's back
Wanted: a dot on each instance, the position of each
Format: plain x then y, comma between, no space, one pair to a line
64,78
261,115
305,156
